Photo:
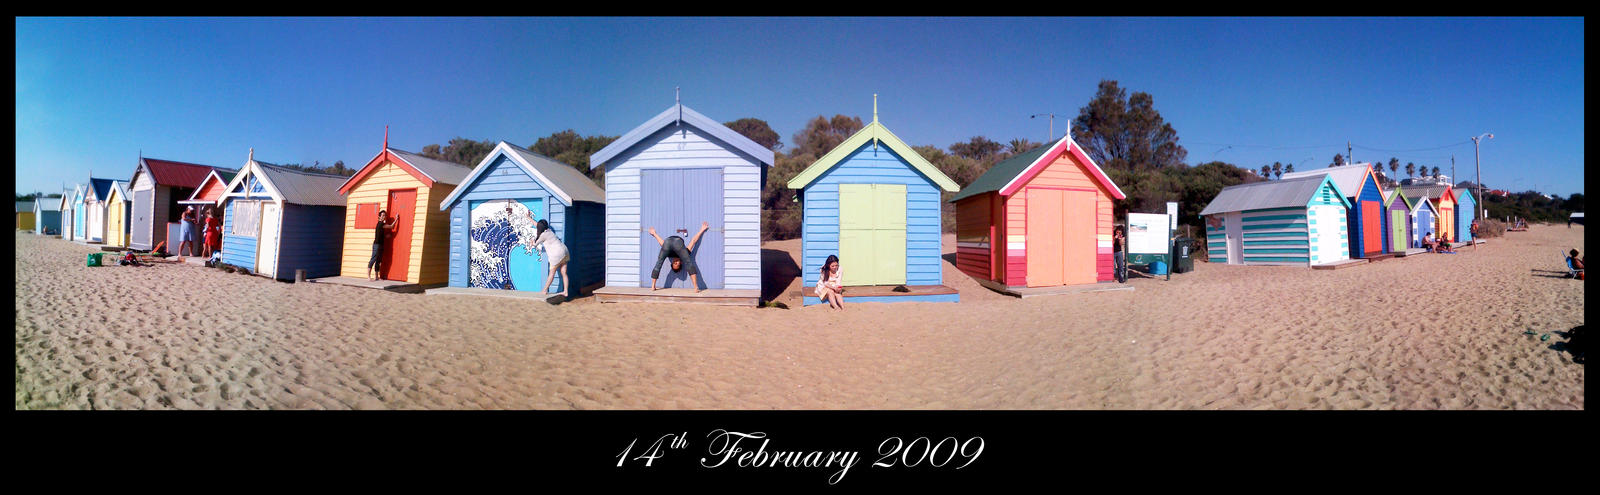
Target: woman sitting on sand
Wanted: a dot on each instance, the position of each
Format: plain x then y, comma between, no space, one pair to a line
554,251
829,285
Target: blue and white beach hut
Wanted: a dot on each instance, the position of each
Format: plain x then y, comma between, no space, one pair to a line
277,220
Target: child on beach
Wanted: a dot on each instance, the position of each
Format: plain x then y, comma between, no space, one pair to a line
829,285
1576,263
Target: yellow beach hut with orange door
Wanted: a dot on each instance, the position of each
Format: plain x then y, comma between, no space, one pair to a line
410,187
1038,219
119,211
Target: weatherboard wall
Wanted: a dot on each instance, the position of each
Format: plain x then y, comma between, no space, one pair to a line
580,227
871,164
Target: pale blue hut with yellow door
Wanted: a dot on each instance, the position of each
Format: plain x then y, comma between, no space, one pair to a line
874,202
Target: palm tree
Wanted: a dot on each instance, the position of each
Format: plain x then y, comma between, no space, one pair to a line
1277,169
1338,160
1411,169
1266,171
1435,172
1394,165
1288,169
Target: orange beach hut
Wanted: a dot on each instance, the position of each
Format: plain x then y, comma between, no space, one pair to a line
410,187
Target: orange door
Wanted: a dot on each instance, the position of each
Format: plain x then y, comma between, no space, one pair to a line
397,258
1044,236
1079,242
1371,228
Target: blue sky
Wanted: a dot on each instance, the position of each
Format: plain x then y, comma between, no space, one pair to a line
93,93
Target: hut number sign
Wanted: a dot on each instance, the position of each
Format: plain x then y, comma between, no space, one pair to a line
1148,233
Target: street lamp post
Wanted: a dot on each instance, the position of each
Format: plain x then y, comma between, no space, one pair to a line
1052,125
1478,164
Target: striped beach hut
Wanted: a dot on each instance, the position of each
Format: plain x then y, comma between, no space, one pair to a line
157,187
1298,221
1397,216
277,220
1039,219
1444,208
1366,205
490,223
874,202
673,172
1424,218
411,187
25,215
119,212
47,216
94,209
1466,212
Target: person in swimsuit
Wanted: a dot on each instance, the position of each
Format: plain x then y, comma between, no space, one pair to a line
545,240
829,285
386,228
681,254
186,232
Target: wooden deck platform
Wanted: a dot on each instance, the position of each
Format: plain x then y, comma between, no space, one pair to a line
1412,252
388,285
1027,292
721,297
1339,264
508,294
1380,257
886,293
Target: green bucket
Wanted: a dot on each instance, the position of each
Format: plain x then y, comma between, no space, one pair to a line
94,259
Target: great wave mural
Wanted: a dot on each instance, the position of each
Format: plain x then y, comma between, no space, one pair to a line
500,233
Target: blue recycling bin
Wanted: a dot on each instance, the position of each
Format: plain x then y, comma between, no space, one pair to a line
1158,268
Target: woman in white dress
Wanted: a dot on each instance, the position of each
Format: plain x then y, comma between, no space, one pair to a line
545,240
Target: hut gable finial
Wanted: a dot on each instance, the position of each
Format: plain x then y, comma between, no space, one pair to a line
252,155
385,137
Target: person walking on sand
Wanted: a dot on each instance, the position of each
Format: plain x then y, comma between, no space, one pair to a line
682,256
385,228
186,232
830,286
545,240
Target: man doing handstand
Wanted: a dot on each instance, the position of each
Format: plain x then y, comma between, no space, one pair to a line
681,254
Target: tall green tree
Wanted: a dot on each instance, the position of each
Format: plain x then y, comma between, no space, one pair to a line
1338,160
460,150
757,130
1394,166
780,216
1266,171
1288,169
1020,145
1411,169
978,148
1435,172
574,149
1126,132
1277,170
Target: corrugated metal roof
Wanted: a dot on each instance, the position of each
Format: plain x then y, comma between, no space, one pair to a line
301,187
439,170
572,182
50,204
1001,173
179,174
1281,193
24,206
1430,192
1348,178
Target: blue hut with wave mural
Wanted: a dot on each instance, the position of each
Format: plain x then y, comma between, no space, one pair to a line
493,216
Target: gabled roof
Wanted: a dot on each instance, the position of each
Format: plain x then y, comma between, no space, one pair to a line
1420,202
424,169
292,186
100,188
682,114
874,132
176,174
121,189
221,177
24,207
1348,177
1389,197
1462,192
1282,193
1011,174
77,193
49,204
562,180
1430,193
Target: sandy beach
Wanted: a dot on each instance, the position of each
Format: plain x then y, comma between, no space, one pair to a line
1430,331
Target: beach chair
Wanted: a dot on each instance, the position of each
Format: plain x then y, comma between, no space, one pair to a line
1571,272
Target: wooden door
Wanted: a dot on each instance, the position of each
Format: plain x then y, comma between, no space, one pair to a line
1371,228
675,202
267,240
500,235
1397,231
397,251
139,232
1046,231
872,234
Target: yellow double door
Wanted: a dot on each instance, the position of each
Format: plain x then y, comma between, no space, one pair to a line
872,234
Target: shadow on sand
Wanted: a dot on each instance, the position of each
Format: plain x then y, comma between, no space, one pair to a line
778,270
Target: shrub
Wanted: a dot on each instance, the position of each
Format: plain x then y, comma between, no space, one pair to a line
1489,227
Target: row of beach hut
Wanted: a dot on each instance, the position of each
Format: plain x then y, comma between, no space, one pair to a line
1042,218
1330,215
